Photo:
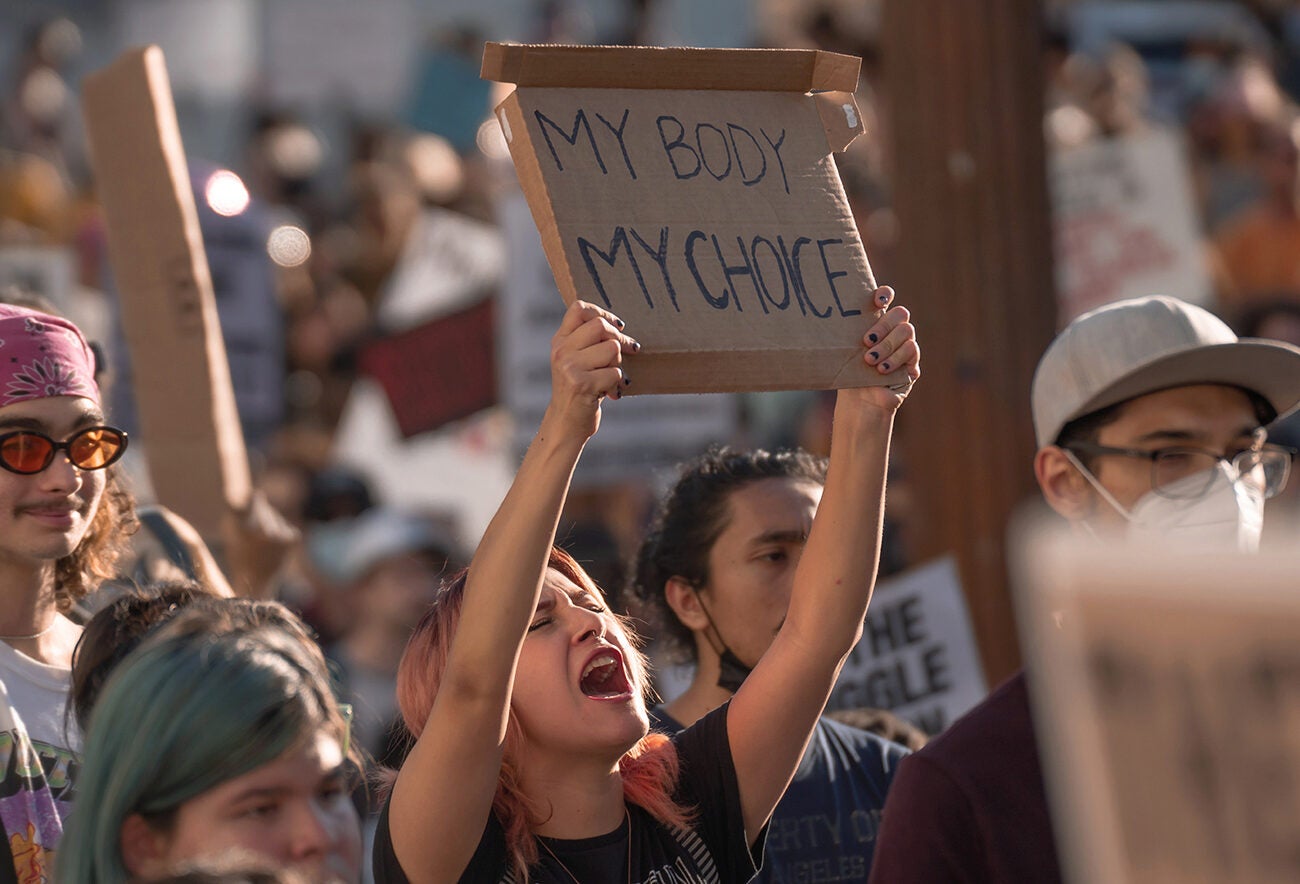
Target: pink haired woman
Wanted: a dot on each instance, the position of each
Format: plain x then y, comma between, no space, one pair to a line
532,760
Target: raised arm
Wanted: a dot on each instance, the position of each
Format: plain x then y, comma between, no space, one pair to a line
443,794
774,711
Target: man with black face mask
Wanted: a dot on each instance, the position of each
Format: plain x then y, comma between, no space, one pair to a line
1150,416
715,575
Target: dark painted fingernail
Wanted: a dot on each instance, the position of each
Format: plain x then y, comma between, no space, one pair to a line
626,380
620,323
885,366
872,337
636,346
875,355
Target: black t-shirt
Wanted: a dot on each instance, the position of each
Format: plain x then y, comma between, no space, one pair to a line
712,850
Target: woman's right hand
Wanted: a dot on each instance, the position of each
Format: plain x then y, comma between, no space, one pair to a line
586,366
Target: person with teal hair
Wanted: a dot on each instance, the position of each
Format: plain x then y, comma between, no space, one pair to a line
214,738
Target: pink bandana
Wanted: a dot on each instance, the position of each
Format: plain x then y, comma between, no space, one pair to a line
42,356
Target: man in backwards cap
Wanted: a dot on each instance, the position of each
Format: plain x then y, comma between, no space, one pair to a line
1150,416
61,515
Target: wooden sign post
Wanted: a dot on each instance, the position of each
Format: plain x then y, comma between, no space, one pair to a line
188,419
693,192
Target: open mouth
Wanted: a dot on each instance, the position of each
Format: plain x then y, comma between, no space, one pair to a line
603,677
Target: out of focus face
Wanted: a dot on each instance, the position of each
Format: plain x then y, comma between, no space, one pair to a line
294,811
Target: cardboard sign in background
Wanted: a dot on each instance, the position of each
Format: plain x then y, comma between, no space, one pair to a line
711,219
183,387
917,656
1125,224
1166,691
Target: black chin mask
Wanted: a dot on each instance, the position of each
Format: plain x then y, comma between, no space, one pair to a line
731,671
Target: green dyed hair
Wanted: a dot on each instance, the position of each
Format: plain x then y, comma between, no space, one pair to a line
184,713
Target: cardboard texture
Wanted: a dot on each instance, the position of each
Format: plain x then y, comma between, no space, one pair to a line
693,193
197,461
1166,691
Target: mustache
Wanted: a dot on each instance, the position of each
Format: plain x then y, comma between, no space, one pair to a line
75,503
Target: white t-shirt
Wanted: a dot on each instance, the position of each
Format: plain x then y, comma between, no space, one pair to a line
38,762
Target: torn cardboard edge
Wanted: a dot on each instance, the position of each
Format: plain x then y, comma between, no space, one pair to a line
651,67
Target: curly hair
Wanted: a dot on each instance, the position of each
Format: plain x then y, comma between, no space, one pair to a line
80,572
688,522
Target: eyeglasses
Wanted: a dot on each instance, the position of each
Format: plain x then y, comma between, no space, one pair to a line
27,452
1188,473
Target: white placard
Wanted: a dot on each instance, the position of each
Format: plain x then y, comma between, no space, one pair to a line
1124,223
917,656
464,469
448,261
637,435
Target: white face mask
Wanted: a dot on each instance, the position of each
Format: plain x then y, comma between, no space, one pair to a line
1229,515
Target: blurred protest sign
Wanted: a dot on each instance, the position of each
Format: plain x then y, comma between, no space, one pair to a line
463,468
1166,694
438,372
692,192
49,272
1124,223
917,655
637,435
435,358
188,419
418,423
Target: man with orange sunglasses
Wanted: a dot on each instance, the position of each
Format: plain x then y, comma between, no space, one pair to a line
62,511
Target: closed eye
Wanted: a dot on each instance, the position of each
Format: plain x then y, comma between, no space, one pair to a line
539,623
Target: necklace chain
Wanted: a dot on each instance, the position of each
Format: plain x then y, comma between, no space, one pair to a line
627,819
19,638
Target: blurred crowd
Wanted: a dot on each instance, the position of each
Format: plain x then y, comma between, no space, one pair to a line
303,254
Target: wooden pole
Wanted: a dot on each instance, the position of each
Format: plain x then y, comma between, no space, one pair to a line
964,87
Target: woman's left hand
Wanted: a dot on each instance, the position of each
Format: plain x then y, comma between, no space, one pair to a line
891,349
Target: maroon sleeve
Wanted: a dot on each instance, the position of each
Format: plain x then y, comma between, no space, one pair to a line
928,831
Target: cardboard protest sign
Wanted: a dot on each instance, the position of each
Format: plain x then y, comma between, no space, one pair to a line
188,419
638,436
1125,224
917,656
693,193
1166,693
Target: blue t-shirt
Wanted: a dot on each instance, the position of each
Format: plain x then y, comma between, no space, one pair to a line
824,828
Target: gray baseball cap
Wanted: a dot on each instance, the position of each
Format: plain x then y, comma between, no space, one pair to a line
1131,348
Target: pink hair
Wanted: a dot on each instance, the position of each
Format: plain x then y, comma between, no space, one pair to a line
649,769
